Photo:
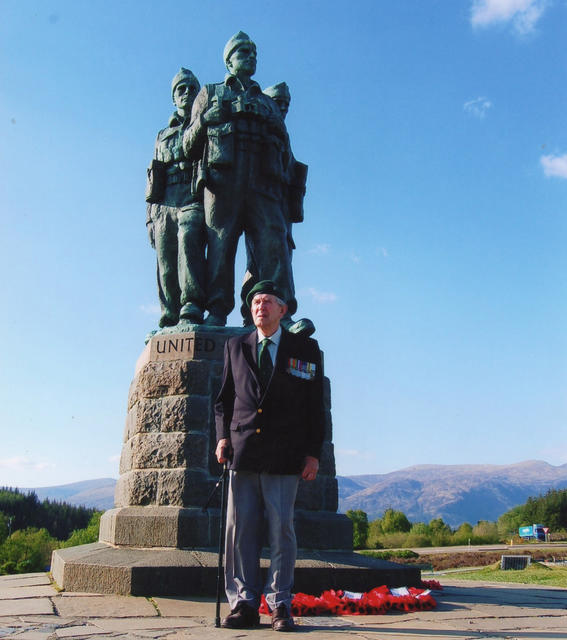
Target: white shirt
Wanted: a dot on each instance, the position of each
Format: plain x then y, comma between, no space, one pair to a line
273,346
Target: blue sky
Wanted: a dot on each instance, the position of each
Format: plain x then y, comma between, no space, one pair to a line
432,257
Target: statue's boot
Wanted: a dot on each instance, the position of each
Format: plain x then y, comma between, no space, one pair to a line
192,313
167,320
213,320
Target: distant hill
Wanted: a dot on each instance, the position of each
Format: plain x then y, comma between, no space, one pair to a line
98,493
456,493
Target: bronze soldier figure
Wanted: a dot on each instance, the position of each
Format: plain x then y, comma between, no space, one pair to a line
240,136
175,216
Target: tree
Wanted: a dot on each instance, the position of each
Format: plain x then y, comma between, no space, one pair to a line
4,527
440,532
87,535
27,550
549,510
374,535
464,534
395,522
418,535
25,510
359,527
486,531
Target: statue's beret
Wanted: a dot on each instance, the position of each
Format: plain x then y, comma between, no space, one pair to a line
237,40
184,75
280,90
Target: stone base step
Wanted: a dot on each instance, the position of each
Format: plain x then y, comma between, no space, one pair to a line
100,568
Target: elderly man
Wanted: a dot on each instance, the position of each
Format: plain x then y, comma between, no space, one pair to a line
269,423
175,217
240,136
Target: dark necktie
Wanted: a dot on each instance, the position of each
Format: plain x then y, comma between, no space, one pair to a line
265,362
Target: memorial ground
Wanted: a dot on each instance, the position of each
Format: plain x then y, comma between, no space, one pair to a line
31,608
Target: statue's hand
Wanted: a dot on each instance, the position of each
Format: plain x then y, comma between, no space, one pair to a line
151,234
214,115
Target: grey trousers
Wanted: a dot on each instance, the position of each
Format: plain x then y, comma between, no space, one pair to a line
248,496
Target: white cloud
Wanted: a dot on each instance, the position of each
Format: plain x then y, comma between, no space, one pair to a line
355,453
477,107
382,251
554,453
521,14
356,259
21,463
322,296
150,309
554,166
115,458
320,249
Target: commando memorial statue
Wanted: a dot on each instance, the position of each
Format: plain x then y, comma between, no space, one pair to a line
222,169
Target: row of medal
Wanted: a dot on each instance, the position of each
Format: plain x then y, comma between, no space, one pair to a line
301,368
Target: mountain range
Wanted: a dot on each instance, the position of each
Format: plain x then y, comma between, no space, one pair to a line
456,493
98,493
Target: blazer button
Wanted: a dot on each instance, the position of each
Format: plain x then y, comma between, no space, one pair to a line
258,430
260,410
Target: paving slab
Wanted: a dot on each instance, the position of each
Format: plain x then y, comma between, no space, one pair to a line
186,607
79,631
118,624
33,635
105,607
25,606
25,580
13,593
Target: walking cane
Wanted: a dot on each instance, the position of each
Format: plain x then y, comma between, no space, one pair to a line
222,483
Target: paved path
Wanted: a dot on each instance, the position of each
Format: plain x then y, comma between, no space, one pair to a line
31,609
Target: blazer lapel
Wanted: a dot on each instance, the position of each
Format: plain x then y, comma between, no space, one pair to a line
250,352
283,350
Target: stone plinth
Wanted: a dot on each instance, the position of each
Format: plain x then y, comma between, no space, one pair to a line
98,568
168,468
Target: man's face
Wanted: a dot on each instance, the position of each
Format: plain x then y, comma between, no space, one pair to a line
184,95
267,312
243,60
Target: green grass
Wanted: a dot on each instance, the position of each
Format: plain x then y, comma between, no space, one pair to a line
536,573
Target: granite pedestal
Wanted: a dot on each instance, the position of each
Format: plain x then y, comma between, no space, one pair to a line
168,470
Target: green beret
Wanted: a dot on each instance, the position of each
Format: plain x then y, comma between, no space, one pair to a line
264,286
237,40
184,75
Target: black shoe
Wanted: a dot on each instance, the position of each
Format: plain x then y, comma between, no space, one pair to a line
281,620
243,616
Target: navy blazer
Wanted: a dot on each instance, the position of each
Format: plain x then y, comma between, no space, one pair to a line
271,431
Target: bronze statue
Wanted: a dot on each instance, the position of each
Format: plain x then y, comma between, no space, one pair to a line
239,135
294,191
175,216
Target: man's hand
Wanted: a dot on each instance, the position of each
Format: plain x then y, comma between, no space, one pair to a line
223,451
310,468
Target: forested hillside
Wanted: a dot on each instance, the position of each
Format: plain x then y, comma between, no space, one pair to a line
30,529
